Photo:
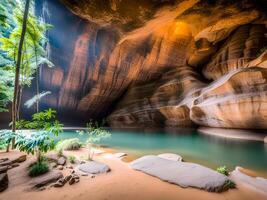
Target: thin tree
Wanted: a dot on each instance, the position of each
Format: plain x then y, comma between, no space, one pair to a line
18,63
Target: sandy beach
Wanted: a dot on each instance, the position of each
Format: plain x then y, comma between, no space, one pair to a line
119,184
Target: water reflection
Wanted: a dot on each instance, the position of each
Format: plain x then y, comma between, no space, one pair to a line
192,146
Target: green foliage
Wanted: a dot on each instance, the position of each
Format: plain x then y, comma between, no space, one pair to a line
2,145
6,136
72,159
69,144
38,141
38,168
33,54
95,134
223,170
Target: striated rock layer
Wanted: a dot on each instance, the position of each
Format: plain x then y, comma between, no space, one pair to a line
152,63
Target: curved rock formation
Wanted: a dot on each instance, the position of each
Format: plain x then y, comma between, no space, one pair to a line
236,100
242,46
151,63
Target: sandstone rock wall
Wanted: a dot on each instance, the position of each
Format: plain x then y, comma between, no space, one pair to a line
188,63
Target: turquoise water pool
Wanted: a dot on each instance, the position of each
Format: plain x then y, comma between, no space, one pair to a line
192,146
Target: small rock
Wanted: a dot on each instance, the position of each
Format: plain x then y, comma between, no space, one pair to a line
58,184
61,161
15,165
41,188
72,181
120,155
171,156
60,167
82,162
9,167
72,171
83,174
77,180
3,181
67,178
3,169
92,176
20,159
69,167
53,165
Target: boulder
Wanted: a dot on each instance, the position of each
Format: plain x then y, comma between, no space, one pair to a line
3,159
3,181
3,169
53,165
61,161
257,183
171,156
93,167
60,167
181,173
20,159
45,179
6,163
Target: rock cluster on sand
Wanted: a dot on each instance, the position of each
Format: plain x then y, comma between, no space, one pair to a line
93,167
5,165
71,179
183,174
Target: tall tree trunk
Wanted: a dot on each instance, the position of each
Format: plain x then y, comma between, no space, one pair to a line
17,76
37,79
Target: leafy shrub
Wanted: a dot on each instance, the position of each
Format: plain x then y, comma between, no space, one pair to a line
69,144
38,168
223,170
40,141
72,159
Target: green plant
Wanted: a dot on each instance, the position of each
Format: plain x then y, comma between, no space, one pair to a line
69,144
72,159
223,170
40,140
95,134
38,168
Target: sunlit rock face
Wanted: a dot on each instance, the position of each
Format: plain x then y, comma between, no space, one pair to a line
152,63
236,100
